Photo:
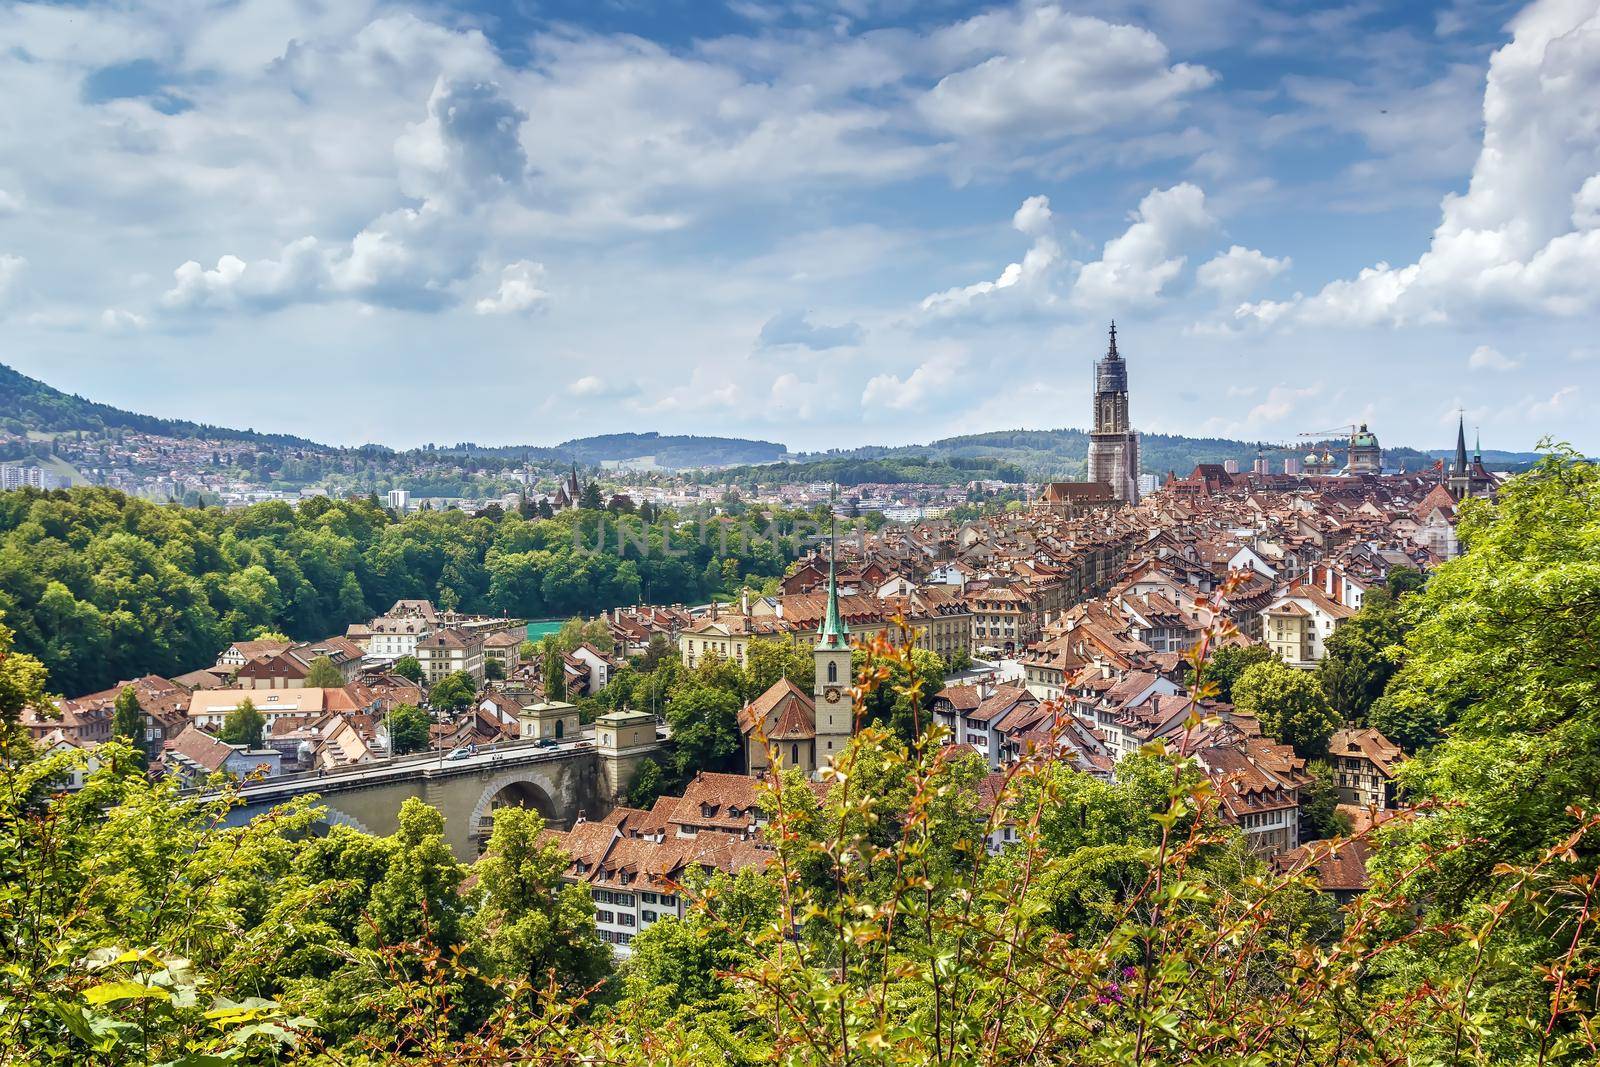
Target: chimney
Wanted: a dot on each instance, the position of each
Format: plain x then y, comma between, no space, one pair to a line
744,602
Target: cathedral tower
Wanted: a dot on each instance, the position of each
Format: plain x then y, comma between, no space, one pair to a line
1113,443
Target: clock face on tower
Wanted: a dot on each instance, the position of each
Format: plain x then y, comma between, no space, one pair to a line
831,694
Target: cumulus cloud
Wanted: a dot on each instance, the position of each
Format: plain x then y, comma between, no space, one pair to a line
468,145
412,258
1485,357
1526,233
462,156
1136,267
795,328
519,290
1239,271
1032,218
916,389
1037,73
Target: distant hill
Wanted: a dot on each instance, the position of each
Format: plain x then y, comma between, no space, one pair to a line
27,404
669,451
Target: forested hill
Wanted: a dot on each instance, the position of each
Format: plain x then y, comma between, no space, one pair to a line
27,404
104,587
1061,453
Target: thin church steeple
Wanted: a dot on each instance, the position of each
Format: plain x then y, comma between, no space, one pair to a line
831,633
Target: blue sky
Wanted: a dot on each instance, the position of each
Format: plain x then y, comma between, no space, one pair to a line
826,223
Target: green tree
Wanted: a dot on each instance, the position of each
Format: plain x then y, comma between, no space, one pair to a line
1319,802
1410,717
453,692
1403,580
324,674
1229,662
648,784
555,674
127,722
589,497
409,668
418,895
494,670
1290,706
531,926
705,729
1501,679
767,660
244,725
680,970
22,682
408,729
891,703
1360,656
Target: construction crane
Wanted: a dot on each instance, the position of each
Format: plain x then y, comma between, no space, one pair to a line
1348,430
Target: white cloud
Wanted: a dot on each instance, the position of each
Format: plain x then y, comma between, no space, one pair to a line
1486,357
1039,73
1136,267
791,395
1561,402
1281,401
1032,218
594,387
412,258
519,290
11,268
468,146
930,378
10,203
115,320
1239,271
1524,234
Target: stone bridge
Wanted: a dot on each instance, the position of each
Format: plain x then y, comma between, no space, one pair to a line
575,778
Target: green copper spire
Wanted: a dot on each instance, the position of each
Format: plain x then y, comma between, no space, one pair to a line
832,632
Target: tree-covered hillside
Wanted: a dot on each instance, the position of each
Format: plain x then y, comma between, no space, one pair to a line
27,404
103,587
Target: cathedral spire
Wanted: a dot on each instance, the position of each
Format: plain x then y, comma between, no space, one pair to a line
1461,444
832,634
1111,352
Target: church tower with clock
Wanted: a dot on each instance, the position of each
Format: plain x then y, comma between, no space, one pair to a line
831,690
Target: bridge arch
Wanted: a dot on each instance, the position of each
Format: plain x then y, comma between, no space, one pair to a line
332,816
516,789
